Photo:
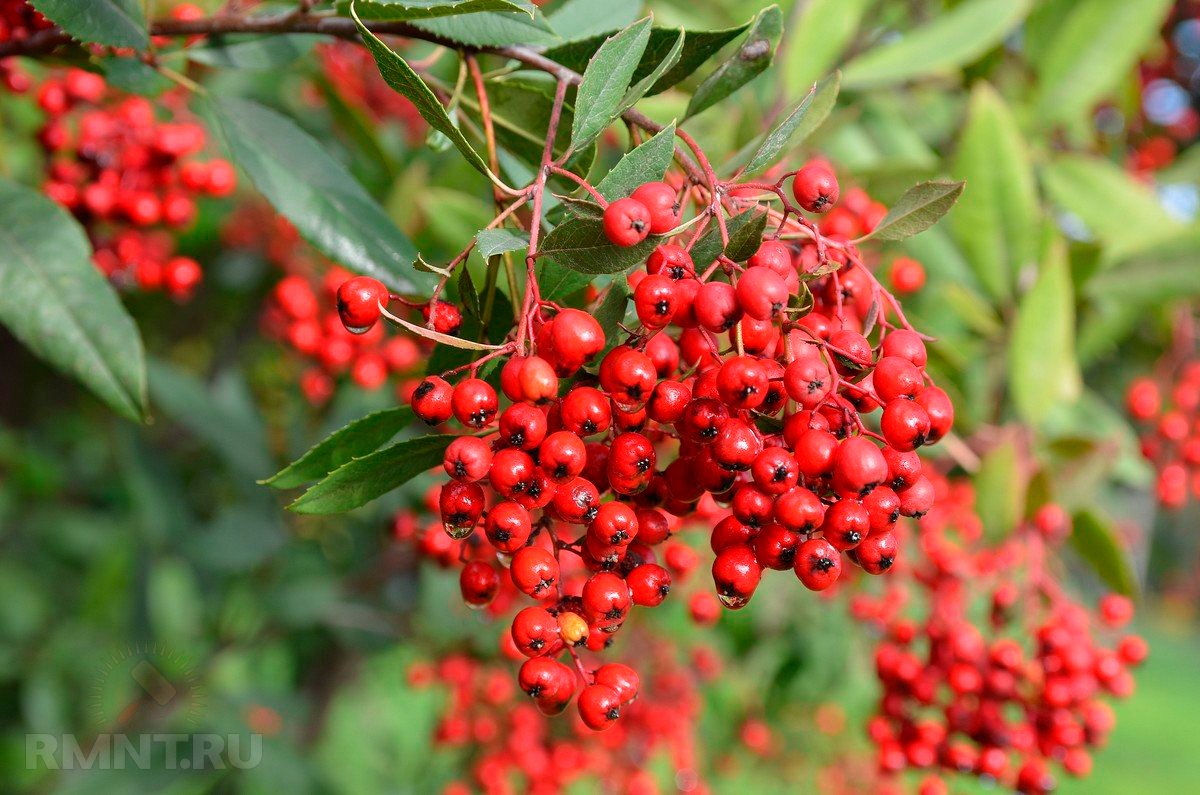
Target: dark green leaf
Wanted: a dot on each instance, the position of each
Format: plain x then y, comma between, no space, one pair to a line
490,242
611,313
748,62
1095,540
578,19
922,206
357,439
252,52
605,81
468,296
557,282
645,163
710,246
949,41
313,191
580,244
639,89
581,208
117,23
521,114
135,76
493,29
746,239
361,480
58,305
799,124
400,76
406,10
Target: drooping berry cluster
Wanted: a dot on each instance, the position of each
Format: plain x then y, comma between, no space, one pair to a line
747,383
124,172
1172,439
1008,703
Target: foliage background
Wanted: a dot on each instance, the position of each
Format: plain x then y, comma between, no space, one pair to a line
1052,284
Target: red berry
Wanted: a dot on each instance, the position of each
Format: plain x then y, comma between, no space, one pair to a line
627,222
358,302
815,188
662,202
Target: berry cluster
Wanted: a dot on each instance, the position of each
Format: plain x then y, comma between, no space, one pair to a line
18,20
124,172
351,73
1006,705
746,385
514,748
1172,441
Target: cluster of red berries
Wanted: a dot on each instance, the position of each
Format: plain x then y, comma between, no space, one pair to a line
1172,440
1004,705
513,748
350,71
729,391
19,20
122,172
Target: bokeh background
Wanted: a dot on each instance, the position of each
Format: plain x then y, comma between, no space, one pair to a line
119,542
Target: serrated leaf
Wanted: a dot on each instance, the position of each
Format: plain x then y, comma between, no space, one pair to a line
949,41
59,306
710,245
799,124
922,206
490,242
1000,490
493,29
578,19
313,191
581,245
647,162
252,52
363,436
816,38
747,237
1095,540
639,89
1043,372
750,60
116,23
1092,50
410,10
996,222
557,282
364,479
605,81
400,76
581,208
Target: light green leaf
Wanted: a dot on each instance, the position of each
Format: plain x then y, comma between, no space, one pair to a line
117,23
951,40
1000,490
1165,271
59,306
400,76
1092,51
364,435
362,480
581,245
750,60
409,10
647,162
799,124
490,242
252,52
817,35
598,100
493,29
997,220
1042,370
922,206
1095,539
579,19
314,191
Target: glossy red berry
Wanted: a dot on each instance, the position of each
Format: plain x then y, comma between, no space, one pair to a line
474,402
599,706
358,302
627,222
535,572
815,188
736,573
479,582
431,400
649,584
762,293
467,459
818,564
672,261
535,632
662,202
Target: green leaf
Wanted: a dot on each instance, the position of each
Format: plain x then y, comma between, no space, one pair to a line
996,222
581,245
400,76
521,115
578,19
490,242
493,29
408,10
361,480
116,23
1168,270
557,282
921,206
313,191
710,246
1092,51
647,162
598,100
639,89
468,295
1095,539
1042,370
135,76
1123,213
799,124
817,35
252,52
363,436
747,237
59,306
951,40
1000,490
750,60
611,313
